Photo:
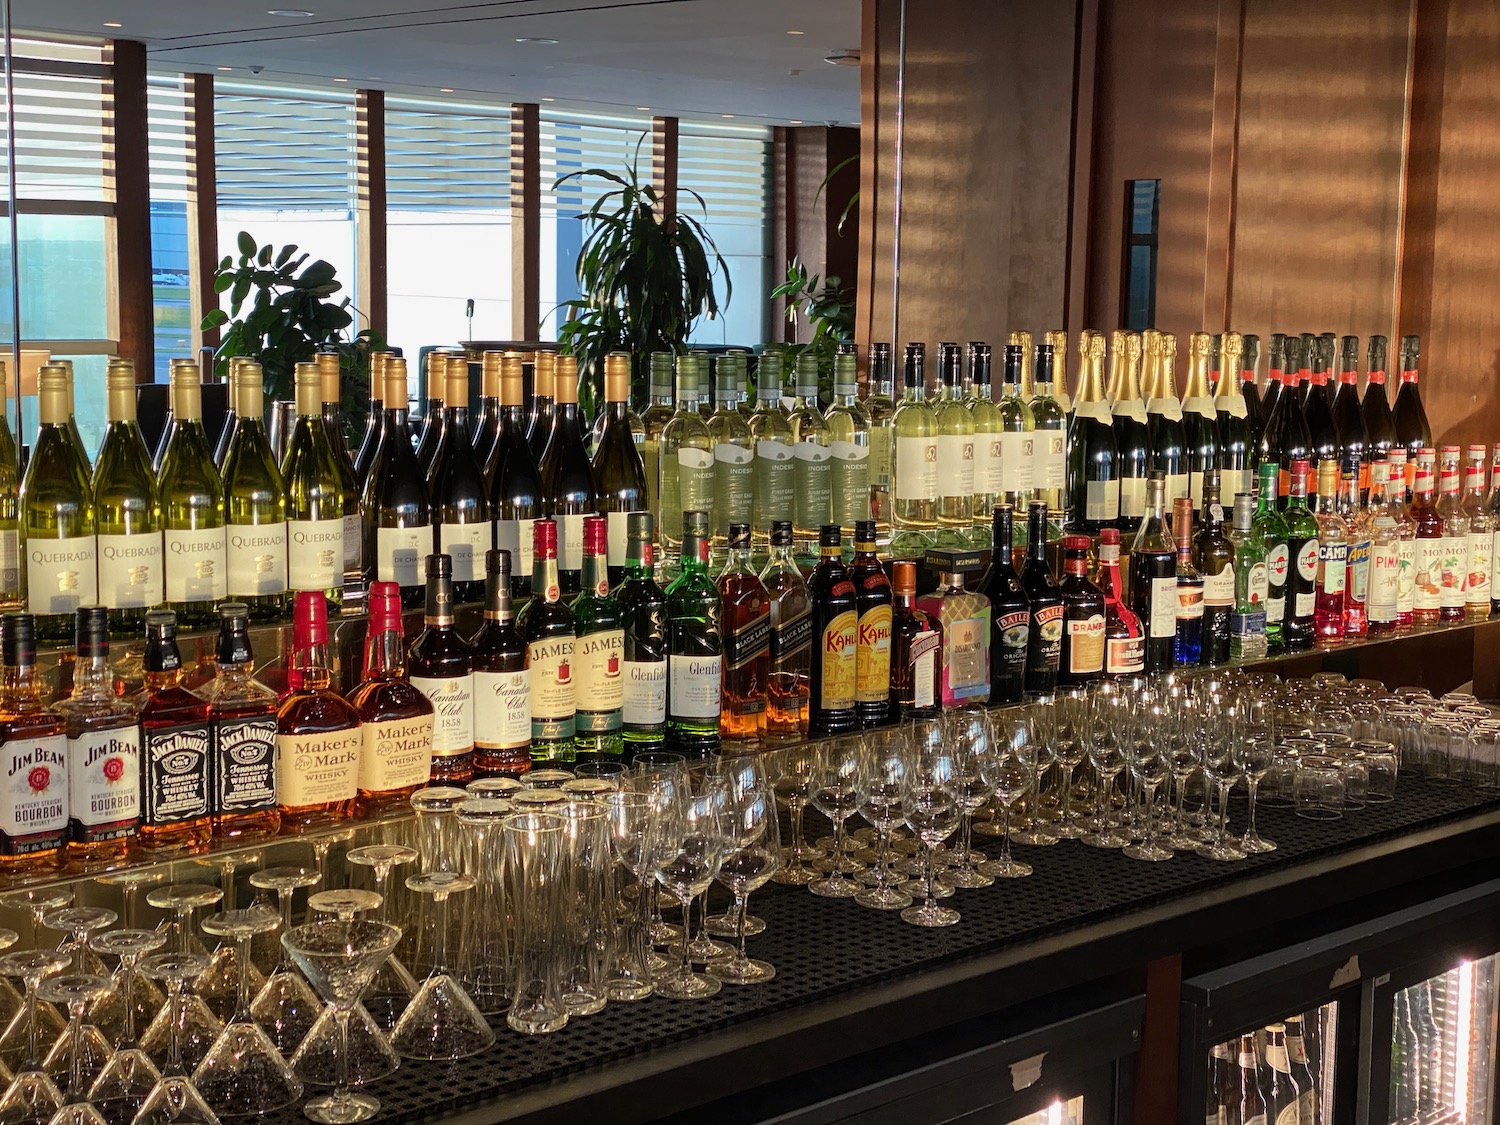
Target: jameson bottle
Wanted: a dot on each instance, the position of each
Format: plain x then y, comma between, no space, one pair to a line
695,647
599,651
547,627
834,677
872,599
1081,660
916,644
175,748
791,640
128,507
1010,614
1247,625
1044,632
502,684
33,754
1153,578
746,619
242,717
395,719
643,616
440,668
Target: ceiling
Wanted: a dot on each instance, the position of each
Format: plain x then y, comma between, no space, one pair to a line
691,58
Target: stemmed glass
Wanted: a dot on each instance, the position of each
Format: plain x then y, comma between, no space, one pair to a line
1067,742
186,1022
130,1075
393,986
693,844
1009,769
37,902
340,959
835,794
175,1100
83,1060
1221,767
633,839
881,782
1035,829
130,881
795,781
79,922
659,774
754,856
243,1072
1254,754
219,986
20,1045
10,1000
1183,754
286,1005
968,731
1109,713
344,903
931,808
1145,749
442,1020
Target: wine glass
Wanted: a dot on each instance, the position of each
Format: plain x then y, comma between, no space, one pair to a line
1068,745
1009,771
835,794
286,1005
753,857
20,1045
1109,715
659,773
175,1100
37,902
968,731
219,986
80,922
881,782
1222,769
1035,829
693,844
931,807
129,1075
1182,754
442,1020
393,986
633,840
81,1060
1145,750
1254,754
795,778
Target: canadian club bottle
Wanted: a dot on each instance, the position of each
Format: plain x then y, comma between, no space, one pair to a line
395,719
1302,572
317,731
546,625
916,641
695,649
747,635
1082,658
1375,407
1407,415
1213,558
242,715
440,668
599,680
872,597
1153,578
643,614
1124,638
1010,614
175,745
1093,472
502,683
1044,630
835,628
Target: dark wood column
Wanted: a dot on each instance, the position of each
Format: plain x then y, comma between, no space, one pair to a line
133,205
373,258
203,198
526,220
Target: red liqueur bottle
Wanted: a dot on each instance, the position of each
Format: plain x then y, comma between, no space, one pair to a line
1124,639
317,731
395,719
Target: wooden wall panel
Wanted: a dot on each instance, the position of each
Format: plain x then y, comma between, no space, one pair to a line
133,205
806,214
374,272
526,219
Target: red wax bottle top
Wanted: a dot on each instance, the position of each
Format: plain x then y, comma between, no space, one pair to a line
545,542
1078,542
595,535
310,619
1109,535
385,607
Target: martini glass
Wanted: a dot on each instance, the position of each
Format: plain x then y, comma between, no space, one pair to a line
180,900
37,901
130,1075
185,1025
10,999
340,958
32,1093
175,1100
322,845
219,986
79,922
286,1005
20,1044
442,1020
243,1072
344,904
82,1052
393,986
130,883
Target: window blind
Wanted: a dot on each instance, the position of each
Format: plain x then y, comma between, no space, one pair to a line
442,157
169,122
571,142
282,149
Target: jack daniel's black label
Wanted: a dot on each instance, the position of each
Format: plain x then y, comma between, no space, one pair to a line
244,764
174,774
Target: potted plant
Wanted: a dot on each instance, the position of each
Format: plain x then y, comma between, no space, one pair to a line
829,309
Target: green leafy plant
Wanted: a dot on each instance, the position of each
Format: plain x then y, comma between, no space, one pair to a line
829,310
645,277
289,319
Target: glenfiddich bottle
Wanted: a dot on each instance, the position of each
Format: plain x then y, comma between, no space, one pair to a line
1081,660
643,613
1044,631
790,656
1010,614
695,648
440,668
128,508
546,625
33,754
599,651
395,719
1124,636
242,722
747,634
502,683
175,748
834,636
317,731
1153,578
104,750
872,599
916,644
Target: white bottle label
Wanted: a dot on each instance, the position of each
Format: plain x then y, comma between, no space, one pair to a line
502,709
453,712
401,554
924,681
1018,461
1132,497
955,465
916,469
1406,575
695,686
1164,606
1218,589
1101,503
1454,569
104,781
1178,484
130,570
569,541
1477,586
1333,560
550,667
645,701
395,754
314,553
519,538
1384,582
1232,482
618,533
1052,462
34,794
60,574
466,544
987,457
317,769
354,542
195,564
10,559
1429,574
257,558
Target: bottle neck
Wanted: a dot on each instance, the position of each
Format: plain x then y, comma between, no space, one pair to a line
544,578
18,683
1109,569
234,673
639,560
438,613
154,681
385,656
596,574
92,679
310,664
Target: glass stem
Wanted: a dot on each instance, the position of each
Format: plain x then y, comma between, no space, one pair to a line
174,1038
1224,787
1253,783
931,866
242,993
31,1054
341,1061
1065,797
1150,800
440,964
799,841
741,900
1005,859
837,873
967,838
1181,804
686,968
640,938
75,1049
284,897
127,963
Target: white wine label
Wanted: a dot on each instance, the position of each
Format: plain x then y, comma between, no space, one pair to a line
813,480
851,482
60,574
734,485
354,542
550,662
1132,497
1333,562
174,773
502,709
1477,581
617,529
1101,501
695,479
775,482
258,558
466,544
1163,607
1218,589
645,698
1454,569
1385,572
314,553
10,559
395,754
317,769
1086,644
453,712
1231,483
1428,577
1195,489
880,454
519,538
104,782
599,681
1052,458
955,464
988,454
1178,484
130,570
401,554
1018,461
243,767
34,794
915,468
195,567
569,542
694,688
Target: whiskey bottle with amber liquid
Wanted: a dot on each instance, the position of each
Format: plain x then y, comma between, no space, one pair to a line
746,623
175,747
33,753
440,668
317,730
790,651
395,719
242,717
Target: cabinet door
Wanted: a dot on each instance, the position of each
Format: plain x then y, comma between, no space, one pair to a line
1442,1044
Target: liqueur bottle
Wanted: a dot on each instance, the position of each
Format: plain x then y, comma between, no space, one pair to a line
789,657
314,498
57,516
914,477
916,644
104,751
242,725
439,664
1357,568
599,651
987,440
352,577
1093,471
1017,445
395,719
1167,426
1271,530
1124,636
848,446
643,616
1232,415
1189,641
1375,408
1479,571
487,429
955,450
1348,420
543,414
317,731
964,615
1213,558
872,599
880,407
255,500
1153,578
811,454
1010,614
127,507
1081,660
1247,625
1044,628
516,496
1299,630
1199,416
1385,554
1406,548
434,420
654,418
1407,414
619,472
695,650
546,625
747,636
775,466
835,625
687,460
1051,434
502,683
1286,438
1492,507
374,425
398,537
176,744
734,458
460,501
11,596
568,491
1455,536
34,746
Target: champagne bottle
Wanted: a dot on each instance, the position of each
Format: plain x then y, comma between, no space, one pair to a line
811,457
127,507
1286,438
687,460
352,577
1232,419
1173,434
1249,380
1051,422
57,515
848,444
734,457
314,498
1275,361
1374,408
880,407
254,508
914,457
1093,480
192,497
567,477
775,467
460,502
619,471
516,497
398,538
1199,417
1057,340
11,596
1131,434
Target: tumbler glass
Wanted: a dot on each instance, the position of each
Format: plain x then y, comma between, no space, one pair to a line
1319,787
1383,765
535,847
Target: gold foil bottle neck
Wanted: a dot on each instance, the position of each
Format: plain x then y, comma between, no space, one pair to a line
1058,338
565,380
378,361
249,391
187,392
544,374
119,381
5,391
617,377
456,390
489,374
328,373
510,380
395,397
309,388
1119,364
1233,349
437,374
52,394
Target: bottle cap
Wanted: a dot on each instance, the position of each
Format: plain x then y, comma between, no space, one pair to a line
639,527
543,373
904,578
739,537
310,617
91,632
981,363
1109,535
950,360
496,562
544,532
695,523
439,566
880,362
768,373
830,535
395,394
864,532
617,377
845,374
1299,466
309,388
1076,543
807,375
1244,510
595,535
914,364
234,634
1044,364
781,533
161,653
385,607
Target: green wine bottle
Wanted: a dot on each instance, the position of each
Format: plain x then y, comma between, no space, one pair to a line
849,444
687,460
654,419
192,498
254,506
813,465
771,433
734,455
352,578
127,506
314,498
914,455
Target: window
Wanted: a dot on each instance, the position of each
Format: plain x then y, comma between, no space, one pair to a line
448,229
1138,294
174,300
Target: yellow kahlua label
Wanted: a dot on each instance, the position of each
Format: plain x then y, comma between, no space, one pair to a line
837,651
873,655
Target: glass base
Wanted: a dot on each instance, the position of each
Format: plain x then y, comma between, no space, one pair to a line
731,970
1040,837
725,925
1151,853
1255,845
796,875
336,1108
929,914
1225,852
1005,869
967,878
687,986
917,888
1111,839
835,887
883,898
628,989
664,933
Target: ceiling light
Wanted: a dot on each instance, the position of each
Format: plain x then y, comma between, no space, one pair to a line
794,122
341,79
726,115
794,33
112,23
445,89
538,40
291,13
549,99
844,57
644,108
226,68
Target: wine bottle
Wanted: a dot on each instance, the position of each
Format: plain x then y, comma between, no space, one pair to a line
848,445
1093,473
33,749
231,415
546,625
434,420
1124,633
916,638
1051,434
746,618
1153,577
242,719
914,456
57,516
1407,414
881,408
833,684
1232,418
1022,340
1129,413
254,508
790,649
192,497
1188,648
1081,659
169,423
440,665
1199,416
1010,613
599,652
395,719
1274,538
1348,420
872,603
619,472
1286,438
127,507
955,452
516,496
654,419
1250,382
460,502
487,429
1179,481
1213,558
11,596
1492,507
543,404
687,460
1275,361
314,724
1045,605
1374,408
1018,459
811,456
568,488
635,428
175,746
73,435
374,424
734,457
775,496
314,498
695,650
1057,340
502,683
1298,629
398,538
352,577
1322,431
643,615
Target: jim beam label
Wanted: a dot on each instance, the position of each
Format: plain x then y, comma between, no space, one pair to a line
130,570
34,795
60,574
395,754
195,565
599,681
453,712
104,784
317,769
174,774
244,764
315,554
